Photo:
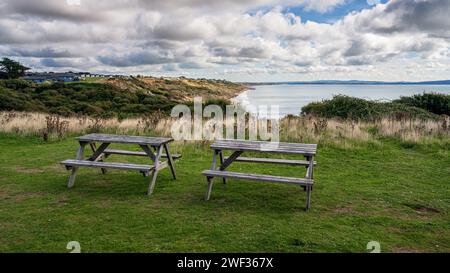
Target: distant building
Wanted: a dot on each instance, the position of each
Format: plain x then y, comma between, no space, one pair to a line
3,75
40,77
53,77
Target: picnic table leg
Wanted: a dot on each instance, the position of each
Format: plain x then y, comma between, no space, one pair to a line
170,161
151,186
309,175
308,197
308,168
73,175
221,163
210,179
94,149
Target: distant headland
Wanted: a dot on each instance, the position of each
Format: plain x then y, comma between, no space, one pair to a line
356,82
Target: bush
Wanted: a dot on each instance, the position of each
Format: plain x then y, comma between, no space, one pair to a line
360,109
92,99
433,102
15,84
222,103
343,107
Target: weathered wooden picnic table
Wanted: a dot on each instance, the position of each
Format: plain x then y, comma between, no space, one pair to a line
238,147
96,160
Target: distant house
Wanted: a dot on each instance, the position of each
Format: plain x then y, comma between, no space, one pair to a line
40,77
83,75
53,77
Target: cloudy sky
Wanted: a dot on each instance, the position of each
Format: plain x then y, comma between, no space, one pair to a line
251,40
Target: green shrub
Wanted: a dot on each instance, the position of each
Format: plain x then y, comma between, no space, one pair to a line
346,107
11,101
15,84
222,103
343,107
93,99
433,102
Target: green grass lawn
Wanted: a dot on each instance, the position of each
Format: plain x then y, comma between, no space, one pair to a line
396,194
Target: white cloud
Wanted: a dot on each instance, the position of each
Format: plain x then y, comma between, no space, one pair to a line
211,37
323,5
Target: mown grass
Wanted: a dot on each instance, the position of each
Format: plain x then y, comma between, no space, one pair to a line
393,193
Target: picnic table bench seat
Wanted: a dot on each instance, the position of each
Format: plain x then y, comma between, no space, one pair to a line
260,177
273,161
110,165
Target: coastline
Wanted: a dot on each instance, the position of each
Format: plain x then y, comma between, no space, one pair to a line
291,98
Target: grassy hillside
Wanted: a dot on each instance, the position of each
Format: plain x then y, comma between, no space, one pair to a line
395,194
113,97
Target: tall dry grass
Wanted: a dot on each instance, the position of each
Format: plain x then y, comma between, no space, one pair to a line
292,128
41,124
412,130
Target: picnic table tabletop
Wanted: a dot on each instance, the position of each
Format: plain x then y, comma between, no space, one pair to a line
265,146
108,138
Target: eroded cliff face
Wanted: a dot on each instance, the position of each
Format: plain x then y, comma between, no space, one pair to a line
179,89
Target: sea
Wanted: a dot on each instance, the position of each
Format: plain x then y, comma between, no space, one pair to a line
290,98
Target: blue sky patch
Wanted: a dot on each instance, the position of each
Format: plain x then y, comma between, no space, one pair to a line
334,14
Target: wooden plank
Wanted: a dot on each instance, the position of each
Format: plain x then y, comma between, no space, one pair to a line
209,179
94,148
257,146
262,146
230,160
224,180
154,141
148,152
134,153
259,177
310,169
208,188
151,186
99,158
308,197
108,165
170,161
260,143
273,161
279,151
214,161
98,153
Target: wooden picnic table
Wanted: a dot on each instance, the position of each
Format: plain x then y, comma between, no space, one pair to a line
238,147
152,148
